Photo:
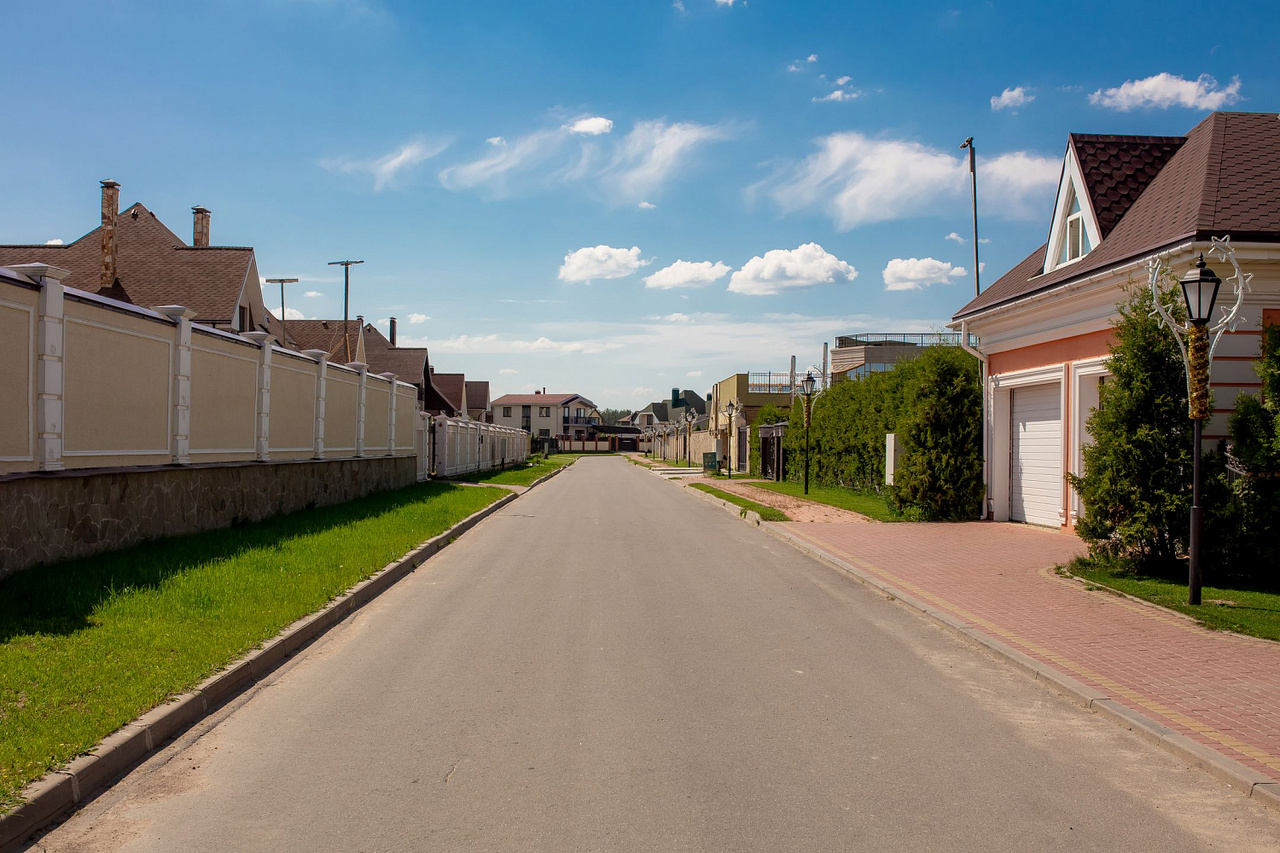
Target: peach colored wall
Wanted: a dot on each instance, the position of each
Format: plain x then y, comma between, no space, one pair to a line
224,392
340,412
1066,350
406,417
293,407
377,408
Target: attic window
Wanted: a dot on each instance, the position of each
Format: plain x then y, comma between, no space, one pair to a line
1075,242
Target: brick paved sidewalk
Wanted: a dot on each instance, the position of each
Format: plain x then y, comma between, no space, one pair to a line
1220,690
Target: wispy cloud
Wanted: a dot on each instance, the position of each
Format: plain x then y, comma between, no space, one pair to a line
1166,90
498,344
687,274
387,168
418,318
507,371
839,96
858,180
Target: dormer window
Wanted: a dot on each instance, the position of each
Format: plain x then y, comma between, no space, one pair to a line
1075,244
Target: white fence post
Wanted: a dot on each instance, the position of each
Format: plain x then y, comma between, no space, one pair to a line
180,422
49,365
322,371
262,427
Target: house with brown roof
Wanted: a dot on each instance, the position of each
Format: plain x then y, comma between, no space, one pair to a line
569,417
1044,327
133,257
478,408
452,388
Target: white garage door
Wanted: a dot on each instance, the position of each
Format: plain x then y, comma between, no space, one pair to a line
1035,474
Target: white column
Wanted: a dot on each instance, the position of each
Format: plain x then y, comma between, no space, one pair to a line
180,422
262,425
391,415
360,398
49,364
322,364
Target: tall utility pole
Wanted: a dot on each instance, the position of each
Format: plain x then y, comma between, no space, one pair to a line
346,299
282,282
973,182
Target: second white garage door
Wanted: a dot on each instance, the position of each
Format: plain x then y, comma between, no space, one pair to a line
1035,473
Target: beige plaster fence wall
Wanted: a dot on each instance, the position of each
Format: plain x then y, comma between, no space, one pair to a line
87,382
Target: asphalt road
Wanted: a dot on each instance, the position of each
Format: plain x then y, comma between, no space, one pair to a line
613,664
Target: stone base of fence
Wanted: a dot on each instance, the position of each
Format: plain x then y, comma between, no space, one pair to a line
52,516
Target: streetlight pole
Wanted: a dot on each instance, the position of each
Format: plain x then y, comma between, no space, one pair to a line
807,385
346,298
282,282
973,184
728,438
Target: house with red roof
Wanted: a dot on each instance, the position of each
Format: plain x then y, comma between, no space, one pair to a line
1044,327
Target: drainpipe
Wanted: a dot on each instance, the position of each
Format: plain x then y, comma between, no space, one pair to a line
986,451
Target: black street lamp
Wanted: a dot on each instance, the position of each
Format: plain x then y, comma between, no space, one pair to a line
1200,291
730,409
807,386
689,417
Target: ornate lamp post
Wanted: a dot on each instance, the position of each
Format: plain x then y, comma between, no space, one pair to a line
730,409
807,386
1197,340
648,440
689,417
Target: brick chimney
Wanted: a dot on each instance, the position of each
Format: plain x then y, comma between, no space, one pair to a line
393,331
200,230
110,209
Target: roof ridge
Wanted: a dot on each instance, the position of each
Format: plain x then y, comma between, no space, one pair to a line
1207,216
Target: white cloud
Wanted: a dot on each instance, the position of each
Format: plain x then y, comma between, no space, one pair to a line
956,238
496,140
289,313
593,126
645,205
54,242
677,317
917,273
418,318
839,95
1011,99
1166,90
386,169
858,180
678,5
840,81
724,2
475,344
313,294
782,269
507,371
629,169
593,262
795,66
693,374
687,274
813,57
640,390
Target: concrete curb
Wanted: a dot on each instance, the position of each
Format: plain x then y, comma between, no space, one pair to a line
1248,781
58,792
748,515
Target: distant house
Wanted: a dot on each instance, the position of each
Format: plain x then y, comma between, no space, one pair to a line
857,355
478,408
570,417
452,388
1044,327
133,258
669,411
409,364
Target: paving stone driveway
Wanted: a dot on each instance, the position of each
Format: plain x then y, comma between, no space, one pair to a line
1221,690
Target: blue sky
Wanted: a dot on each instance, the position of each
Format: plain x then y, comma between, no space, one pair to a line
522,178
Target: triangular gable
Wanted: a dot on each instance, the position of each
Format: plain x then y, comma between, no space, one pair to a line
1074,232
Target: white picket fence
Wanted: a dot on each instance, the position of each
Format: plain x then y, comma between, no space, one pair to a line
461,447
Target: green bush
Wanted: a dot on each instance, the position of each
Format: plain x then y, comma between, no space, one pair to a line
934,404
1255,427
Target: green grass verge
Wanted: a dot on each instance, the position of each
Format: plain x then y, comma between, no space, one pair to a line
767,513
527,473
87,645
863,503
1245,611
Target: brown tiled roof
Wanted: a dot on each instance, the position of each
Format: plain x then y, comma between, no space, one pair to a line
1224,179
154,267
539,399
1117,169
409,364
451,386
477,394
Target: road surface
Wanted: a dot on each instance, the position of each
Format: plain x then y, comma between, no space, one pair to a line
610,663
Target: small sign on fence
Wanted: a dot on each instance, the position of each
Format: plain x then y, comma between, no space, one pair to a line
710,461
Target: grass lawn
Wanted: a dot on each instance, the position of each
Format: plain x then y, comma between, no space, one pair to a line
526,474
87,645
767,513
863,503
1245,611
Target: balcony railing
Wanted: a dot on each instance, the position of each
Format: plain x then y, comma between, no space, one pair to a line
917,339
584,421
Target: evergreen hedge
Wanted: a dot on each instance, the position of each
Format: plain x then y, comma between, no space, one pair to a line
933,403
